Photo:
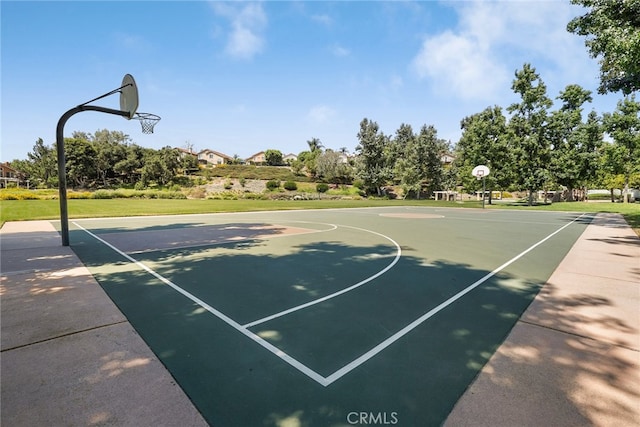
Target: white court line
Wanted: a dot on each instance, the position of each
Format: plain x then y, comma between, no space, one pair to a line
326,381
235,325
340,292
386,343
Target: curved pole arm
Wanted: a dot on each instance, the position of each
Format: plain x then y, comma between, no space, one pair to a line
62,176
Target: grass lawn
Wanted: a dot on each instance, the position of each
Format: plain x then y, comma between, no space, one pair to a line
22,210
630,211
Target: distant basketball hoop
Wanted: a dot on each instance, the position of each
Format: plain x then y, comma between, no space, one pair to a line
480,172
128,109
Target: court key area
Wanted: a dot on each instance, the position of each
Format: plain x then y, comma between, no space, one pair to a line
326,317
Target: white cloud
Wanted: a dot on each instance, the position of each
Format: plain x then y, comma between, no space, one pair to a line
396,82
320,114
322,19
247,21
131,41
493,39
460,65
340,51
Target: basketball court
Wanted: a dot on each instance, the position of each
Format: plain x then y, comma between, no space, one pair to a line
326,317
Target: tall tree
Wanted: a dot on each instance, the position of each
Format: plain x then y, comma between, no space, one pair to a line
315,144
406,168
624,127
573,146
527,124
110,148
485,141
372,165
612,30
80,156
427,153
43,164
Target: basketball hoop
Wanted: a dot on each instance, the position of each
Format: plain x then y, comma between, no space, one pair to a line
147,121
480,172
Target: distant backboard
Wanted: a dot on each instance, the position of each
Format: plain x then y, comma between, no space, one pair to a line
129,95
480,171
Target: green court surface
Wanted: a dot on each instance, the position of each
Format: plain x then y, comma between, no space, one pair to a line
326,317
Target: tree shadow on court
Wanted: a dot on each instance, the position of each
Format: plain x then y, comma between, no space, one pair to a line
417,379
157,238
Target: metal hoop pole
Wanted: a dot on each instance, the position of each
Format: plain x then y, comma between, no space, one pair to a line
62,175
483,192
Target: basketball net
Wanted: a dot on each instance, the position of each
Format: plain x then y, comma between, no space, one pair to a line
147,121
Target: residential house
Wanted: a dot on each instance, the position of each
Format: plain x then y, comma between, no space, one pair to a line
184,153
9,174
215,158
447,159
289,158
257,159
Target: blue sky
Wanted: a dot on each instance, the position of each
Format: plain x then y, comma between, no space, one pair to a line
241,77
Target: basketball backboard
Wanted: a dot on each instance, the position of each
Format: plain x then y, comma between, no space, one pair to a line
480,171
129,95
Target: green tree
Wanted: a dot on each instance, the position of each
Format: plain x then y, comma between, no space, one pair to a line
80,158
485,141
611,171
406,168
624,127
43,164
160,166
429,150
308,158
315,145
527,125
273,157
110,147
575,143
331,167
297,166
372,165
612,31
129,169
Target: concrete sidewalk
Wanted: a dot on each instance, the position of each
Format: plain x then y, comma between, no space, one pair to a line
573,358
69,357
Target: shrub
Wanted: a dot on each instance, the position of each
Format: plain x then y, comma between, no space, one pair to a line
102,194
79,195
255,196
273,184
197,193
290,185
322,187
242,181
359,184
